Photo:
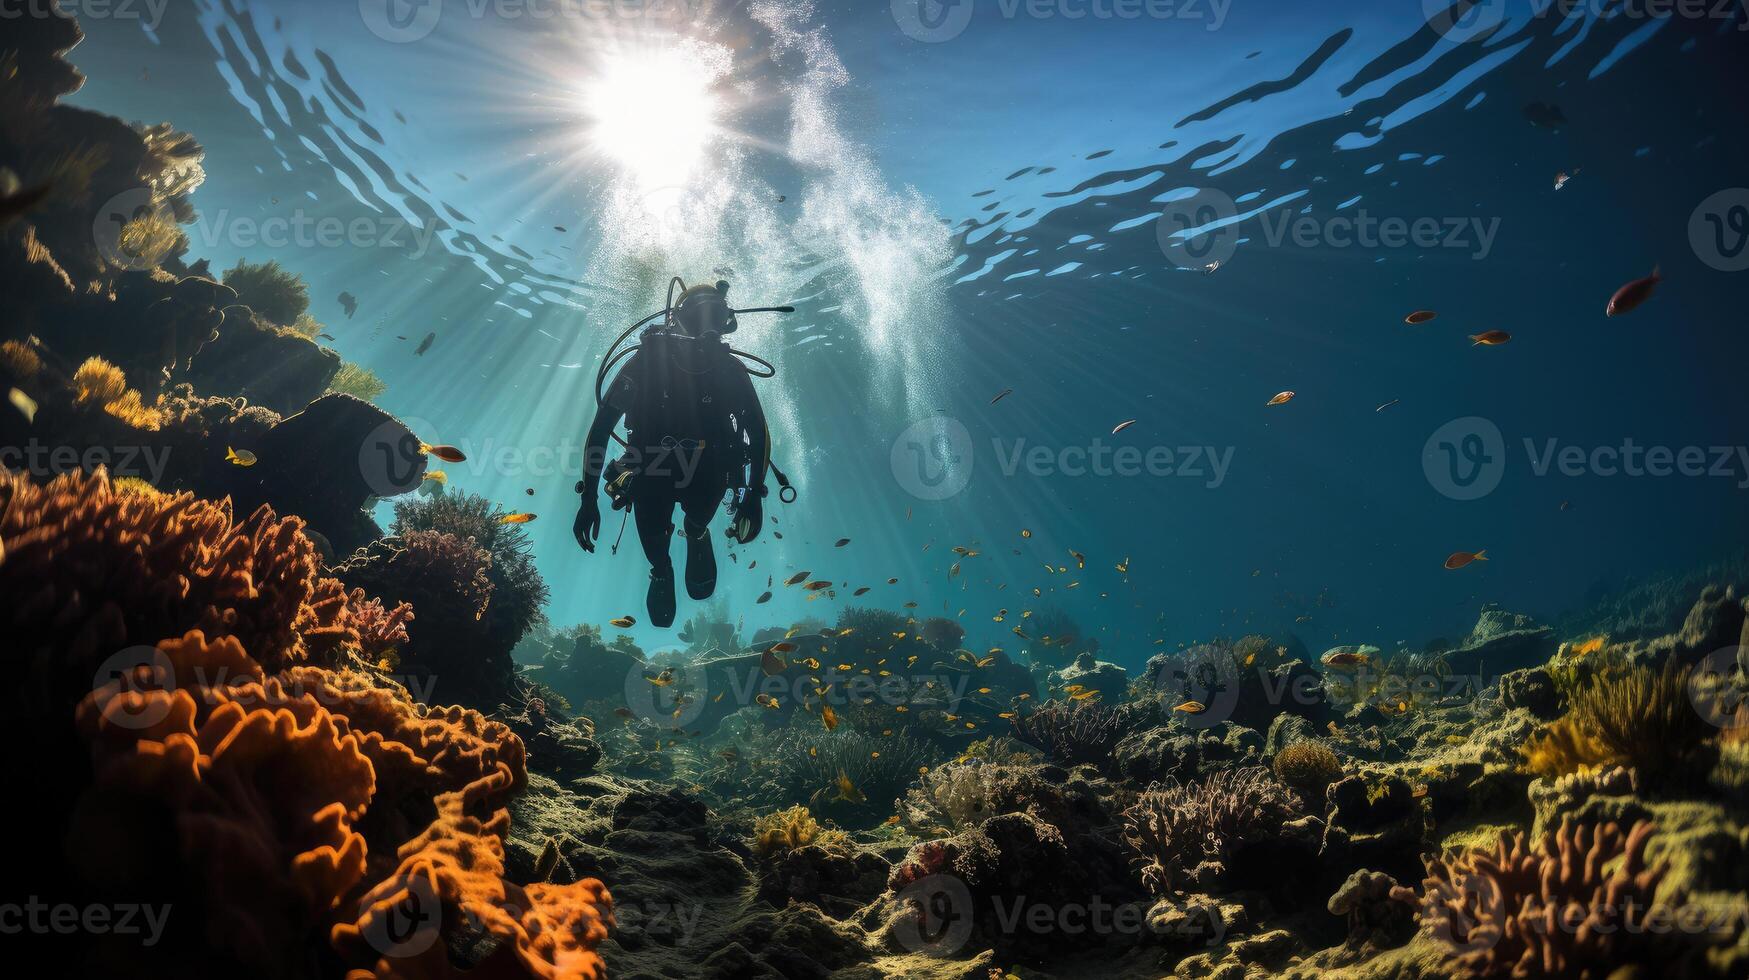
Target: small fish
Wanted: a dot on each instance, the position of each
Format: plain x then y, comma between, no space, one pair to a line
845,790
530,492
1387,404
623,622
829,718
893,581
763,597
1563,177
767,701
324,336
1281,399
1192,708
448,454
1459,559
1489,338
1025,532
425,345
1004,393
770,664
1348,656
664,679
1211,268
861,591
796,578
1126,423
841,542
243,458
516,518
817,586
24,403
1566,504
1630,296
438,477
1419,317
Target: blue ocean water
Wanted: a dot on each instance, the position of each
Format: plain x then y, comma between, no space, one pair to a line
982,197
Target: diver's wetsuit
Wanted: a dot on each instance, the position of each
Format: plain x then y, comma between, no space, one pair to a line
691,415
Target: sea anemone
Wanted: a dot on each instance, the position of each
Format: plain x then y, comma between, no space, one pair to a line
1073,733
1638,717
1308,767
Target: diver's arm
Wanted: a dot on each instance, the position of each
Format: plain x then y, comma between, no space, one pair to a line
761,447
595,449
587,527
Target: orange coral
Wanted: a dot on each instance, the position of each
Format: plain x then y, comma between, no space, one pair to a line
98,383
244,763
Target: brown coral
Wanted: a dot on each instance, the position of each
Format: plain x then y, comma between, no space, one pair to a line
1576,904
100,384
241,763
1175,829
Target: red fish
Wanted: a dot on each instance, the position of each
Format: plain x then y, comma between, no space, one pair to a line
1459,559
1633,294
1491,338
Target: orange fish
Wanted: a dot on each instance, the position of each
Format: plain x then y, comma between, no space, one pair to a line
1633,294
448,454
1490,338
516,518
1281,399
829,717
1459,559
1420,316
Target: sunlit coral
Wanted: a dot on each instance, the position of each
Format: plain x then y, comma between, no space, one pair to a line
100,384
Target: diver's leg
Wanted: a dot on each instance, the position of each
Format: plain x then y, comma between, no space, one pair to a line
655,518
699,506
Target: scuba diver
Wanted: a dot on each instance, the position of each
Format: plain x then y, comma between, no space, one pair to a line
695,431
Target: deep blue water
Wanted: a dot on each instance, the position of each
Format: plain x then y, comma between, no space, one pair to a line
981,212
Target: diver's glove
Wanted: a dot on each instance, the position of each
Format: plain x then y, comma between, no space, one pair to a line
748,519
587,527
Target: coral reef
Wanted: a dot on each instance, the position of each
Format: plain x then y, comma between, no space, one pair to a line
1184,835
1308,768
1072,732
1578,903
238,757
1641,718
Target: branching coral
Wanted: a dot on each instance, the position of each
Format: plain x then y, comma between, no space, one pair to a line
1636,717
236,759
789,829
360,383
380,630
1072,732
1173,829
100,384
959,795
1577,904
518,591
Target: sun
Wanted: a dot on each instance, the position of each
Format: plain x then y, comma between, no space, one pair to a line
655,114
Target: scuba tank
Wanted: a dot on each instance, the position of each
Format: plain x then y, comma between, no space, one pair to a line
702,315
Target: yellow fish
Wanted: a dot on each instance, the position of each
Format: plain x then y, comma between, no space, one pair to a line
438,477
1192,707
24,403
516,518
239,458
623,622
